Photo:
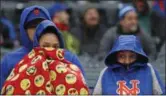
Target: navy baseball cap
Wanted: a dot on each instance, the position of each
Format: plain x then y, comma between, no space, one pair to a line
35,14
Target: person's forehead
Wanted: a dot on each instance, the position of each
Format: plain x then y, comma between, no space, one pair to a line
50,35
61,12
92,10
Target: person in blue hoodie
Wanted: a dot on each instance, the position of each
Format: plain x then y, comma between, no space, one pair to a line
48,35
8,33
30,18
128,71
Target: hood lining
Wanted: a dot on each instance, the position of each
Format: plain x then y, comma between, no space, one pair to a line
111,58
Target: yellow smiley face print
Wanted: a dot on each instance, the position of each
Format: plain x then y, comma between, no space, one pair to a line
23,67
72,91
35,59
39,80
83,91
27,92
11,75
45,65
60,89
31,70
59,54
15,77
74,67
70,78
9,90
41,92
49,87
50,61
31,54
41,52
61,68
25,84
52,75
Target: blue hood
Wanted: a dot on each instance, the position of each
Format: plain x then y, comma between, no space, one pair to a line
40,29
9,25
57,8
130,43
26,42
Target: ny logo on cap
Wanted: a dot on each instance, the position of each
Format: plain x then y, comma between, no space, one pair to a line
36,11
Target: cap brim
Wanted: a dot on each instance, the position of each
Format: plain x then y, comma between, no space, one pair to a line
33,22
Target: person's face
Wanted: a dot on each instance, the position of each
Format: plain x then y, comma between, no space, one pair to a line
62,17
91,17
126,57
130,21
31,28
140,6
31,32
49,40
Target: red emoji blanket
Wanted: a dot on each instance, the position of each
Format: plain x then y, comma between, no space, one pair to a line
45,71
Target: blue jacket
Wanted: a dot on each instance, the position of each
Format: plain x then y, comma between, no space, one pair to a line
138,78
9,61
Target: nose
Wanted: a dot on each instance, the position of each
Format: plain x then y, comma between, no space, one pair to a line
127,61
135,22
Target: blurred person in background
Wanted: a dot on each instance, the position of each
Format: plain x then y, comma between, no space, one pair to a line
144,15
152,21
159,21
128,25
30,18
7,32
60,17
159,30
89,31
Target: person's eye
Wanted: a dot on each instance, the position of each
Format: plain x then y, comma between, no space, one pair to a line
45,45
133,56
122,56
56,46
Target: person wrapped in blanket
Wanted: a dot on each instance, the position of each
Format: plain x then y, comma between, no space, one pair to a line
128,71
44,70
30,18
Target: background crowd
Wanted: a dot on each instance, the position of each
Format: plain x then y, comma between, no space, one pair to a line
90,27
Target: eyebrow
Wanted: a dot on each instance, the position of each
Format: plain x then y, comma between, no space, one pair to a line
49,43
46,43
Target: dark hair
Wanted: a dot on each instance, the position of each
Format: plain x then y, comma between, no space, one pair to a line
49,29
146,5
33,23
82,17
